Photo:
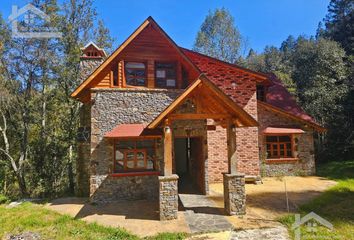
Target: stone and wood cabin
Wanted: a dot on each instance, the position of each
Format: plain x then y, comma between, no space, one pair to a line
156,116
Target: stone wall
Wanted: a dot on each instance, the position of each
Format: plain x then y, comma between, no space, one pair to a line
111,107
168,197
109,188
304,164
234,194
83,152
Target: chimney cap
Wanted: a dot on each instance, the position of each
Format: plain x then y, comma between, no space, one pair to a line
91,50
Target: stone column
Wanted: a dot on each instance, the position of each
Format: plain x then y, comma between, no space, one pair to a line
168,200
234,194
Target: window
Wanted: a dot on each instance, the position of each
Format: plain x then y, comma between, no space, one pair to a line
134,155
261,93
135,73
165,75
279,146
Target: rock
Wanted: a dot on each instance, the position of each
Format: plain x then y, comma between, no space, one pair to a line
24,236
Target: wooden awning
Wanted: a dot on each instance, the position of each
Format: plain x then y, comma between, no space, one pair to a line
131,130
275,130
211,103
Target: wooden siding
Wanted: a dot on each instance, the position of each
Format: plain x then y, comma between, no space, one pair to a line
149,46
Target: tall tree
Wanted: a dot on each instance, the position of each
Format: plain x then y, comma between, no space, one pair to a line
339,23
218,36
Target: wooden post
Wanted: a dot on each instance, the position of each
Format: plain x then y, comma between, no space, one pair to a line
167,148
231,147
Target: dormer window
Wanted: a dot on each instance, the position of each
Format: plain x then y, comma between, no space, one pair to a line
165,76
135,73
261,93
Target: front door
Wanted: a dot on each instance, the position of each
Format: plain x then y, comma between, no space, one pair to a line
188,156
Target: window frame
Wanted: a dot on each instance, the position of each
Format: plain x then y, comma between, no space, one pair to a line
293,147
165,78
135,150
145,75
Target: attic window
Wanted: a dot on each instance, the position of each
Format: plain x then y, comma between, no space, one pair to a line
165,75
261,93
135,73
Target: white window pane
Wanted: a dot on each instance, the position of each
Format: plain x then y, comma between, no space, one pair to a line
134,65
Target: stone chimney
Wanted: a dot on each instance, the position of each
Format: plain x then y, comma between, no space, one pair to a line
91,57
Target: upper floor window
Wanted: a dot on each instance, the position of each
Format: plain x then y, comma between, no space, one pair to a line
261,93
165,75
135,73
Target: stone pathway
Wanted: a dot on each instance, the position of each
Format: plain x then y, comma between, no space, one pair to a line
202,215
275,233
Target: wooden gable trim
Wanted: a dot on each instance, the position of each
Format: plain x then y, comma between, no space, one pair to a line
243,118
149,20
317,127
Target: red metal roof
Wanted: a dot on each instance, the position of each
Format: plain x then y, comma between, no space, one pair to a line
126,130
273,130
131,130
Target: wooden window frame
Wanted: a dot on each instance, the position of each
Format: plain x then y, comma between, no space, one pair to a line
278,143
125,73
176,74
135,151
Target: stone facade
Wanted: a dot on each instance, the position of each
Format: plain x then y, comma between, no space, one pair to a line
168,197
110,188
111,107
304,164
234,194
83,152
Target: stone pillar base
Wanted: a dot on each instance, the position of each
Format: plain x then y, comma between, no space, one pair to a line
168,197
234,194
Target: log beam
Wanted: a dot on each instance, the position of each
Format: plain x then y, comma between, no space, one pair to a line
231,147
167,148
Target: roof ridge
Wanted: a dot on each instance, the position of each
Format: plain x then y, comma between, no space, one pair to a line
227,63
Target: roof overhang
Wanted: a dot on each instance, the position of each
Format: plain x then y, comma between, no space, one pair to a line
132,131
314,125
204,87
278,130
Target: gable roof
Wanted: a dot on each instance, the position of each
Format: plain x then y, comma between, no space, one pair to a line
148,21
243,118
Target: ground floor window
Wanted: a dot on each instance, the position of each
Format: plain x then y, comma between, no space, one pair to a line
134,155
280,146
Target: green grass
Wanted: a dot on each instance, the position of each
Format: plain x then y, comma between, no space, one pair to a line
52,225
335,205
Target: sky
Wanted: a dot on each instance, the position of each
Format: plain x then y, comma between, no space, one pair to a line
261,22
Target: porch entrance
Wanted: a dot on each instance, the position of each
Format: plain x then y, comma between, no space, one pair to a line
189,163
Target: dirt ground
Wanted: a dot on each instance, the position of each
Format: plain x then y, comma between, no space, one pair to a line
138,217
266,202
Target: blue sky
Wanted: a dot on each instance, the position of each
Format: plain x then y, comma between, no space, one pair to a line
261,22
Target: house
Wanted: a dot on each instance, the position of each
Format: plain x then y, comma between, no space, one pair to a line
156,116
